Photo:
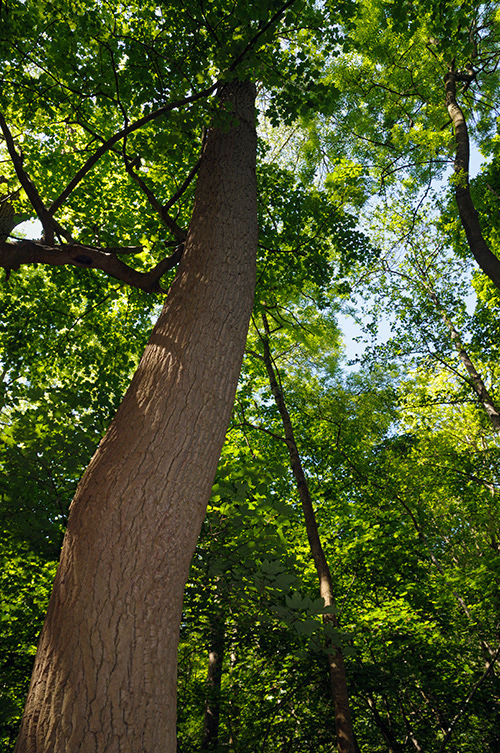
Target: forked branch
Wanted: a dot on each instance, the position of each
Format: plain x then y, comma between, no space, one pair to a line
50,225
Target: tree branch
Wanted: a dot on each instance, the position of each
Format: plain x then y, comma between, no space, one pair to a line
183,186
261,31
130,128
50,225
13,255
172,225
470,695
249,425
475,378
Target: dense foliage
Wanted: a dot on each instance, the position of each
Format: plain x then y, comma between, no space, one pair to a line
399,449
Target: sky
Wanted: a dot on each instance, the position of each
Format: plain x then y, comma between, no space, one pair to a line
355,340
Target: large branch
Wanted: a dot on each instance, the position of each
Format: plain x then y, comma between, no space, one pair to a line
131,127
13,255
469,217
46,215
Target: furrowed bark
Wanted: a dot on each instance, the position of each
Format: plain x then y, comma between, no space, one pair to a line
469,217
104,679
338,681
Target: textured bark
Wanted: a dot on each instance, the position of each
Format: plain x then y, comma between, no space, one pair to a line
105,674
338,681
469,217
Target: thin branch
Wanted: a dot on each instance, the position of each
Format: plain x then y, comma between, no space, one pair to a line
261,31
254,354
50,225
117,85
470,695
249,425
86,313
134,126
178,232
183,186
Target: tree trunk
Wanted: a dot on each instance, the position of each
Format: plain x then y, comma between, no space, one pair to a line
338,682
104,679
385,729
469,217
475,379
211,719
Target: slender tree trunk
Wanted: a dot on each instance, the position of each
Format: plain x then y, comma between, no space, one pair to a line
469,217
213,686
338,682
385,730
475,378
105,674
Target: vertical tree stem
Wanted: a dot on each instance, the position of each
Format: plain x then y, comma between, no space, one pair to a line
338,681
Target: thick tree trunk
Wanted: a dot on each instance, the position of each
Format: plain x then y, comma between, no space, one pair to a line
338,682
469,217
105,674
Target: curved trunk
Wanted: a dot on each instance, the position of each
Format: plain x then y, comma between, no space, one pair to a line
105,674
469,217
